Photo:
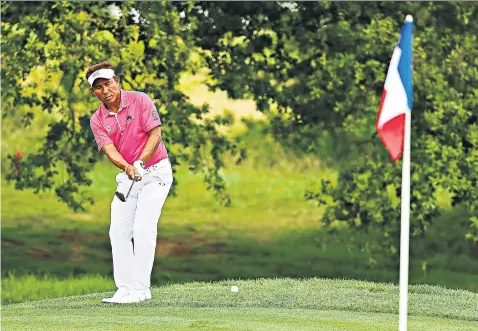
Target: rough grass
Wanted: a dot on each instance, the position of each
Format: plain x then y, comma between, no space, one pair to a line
31,287
262,304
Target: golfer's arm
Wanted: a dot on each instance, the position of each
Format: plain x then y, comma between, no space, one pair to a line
152,144
115,156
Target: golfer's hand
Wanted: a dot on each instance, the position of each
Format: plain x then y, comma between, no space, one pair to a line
139,165
133,173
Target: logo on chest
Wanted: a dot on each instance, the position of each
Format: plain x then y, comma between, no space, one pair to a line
110,128
129,118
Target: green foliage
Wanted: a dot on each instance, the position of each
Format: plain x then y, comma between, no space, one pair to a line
46,50
445,236
322,65
316,68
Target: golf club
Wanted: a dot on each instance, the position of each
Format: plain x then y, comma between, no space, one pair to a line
121,195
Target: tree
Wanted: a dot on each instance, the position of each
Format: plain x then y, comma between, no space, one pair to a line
321,66
46,50
310,66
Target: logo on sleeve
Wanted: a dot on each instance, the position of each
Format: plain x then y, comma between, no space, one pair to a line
155,115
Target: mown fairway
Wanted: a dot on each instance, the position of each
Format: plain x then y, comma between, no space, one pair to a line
279,304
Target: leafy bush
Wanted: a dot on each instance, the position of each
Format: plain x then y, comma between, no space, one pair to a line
447,235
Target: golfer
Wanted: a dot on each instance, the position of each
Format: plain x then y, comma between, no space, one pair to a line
127,128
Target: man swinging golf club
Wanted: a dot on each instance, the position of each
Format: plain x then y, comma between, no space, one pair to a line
127,128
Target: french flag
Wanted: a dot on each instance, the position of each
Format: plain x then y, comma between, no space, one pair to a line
397,96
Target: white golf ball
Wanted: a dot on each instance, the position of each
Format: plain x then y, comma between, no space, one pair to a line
234,289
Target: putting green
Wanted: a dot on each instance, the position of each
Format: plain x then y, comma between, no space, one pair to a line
264,304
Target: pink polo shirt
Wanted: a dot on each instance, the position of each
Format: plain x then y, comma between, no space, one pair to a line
128,128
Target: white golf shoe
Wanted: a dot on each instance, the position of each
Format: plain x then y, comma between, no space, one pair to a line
135,296
120,293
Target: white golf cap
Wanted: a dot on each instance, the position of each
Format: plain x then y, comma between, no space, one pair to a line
101,73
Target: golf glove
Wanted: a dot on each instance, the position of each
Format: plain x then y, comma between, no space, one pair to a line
139,165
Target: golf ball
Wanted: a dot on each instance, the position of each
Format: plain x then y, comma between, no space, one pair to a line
234,289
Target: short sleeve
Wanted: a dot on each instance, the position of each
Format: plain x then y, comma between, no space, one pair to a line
100,134
149,114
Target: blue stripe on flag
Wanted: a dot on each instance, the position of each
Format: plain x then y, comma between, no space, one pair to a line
405,63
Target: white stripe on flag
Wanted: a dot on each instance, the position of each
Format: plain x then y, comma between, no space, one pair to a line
396,101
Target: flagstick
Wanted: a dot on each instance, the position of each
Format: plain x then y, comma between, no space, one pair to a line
405,225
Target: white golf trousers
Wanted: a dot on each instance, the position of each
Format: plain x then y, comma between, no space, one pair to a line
137,219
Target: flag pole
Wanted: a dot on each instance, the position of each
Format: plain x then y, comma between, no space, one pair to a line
395,134
405,225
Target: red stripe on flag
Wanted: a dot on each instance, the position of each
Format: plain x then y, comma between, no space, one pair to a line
392,134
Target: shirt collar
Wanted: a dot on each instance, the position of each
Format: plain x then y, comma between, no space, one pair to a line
123,103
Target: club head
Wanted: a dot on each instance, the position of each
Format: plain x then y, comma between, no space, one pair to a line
120,196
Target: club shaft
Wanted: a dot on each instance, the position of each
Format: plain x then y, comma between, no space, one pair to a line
127,194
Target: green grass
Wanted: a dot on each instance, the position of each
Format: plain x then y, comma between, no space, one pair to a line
41,232
31,287
262,304
270,231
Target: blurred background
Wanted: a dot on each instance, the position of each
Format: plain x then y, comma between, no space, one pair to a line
268,112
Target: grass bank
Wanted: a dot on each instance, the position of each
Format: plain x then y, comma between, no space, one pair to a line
262,304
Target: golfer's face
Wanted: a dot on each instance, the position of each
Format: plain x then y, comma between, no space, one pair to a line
106,90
